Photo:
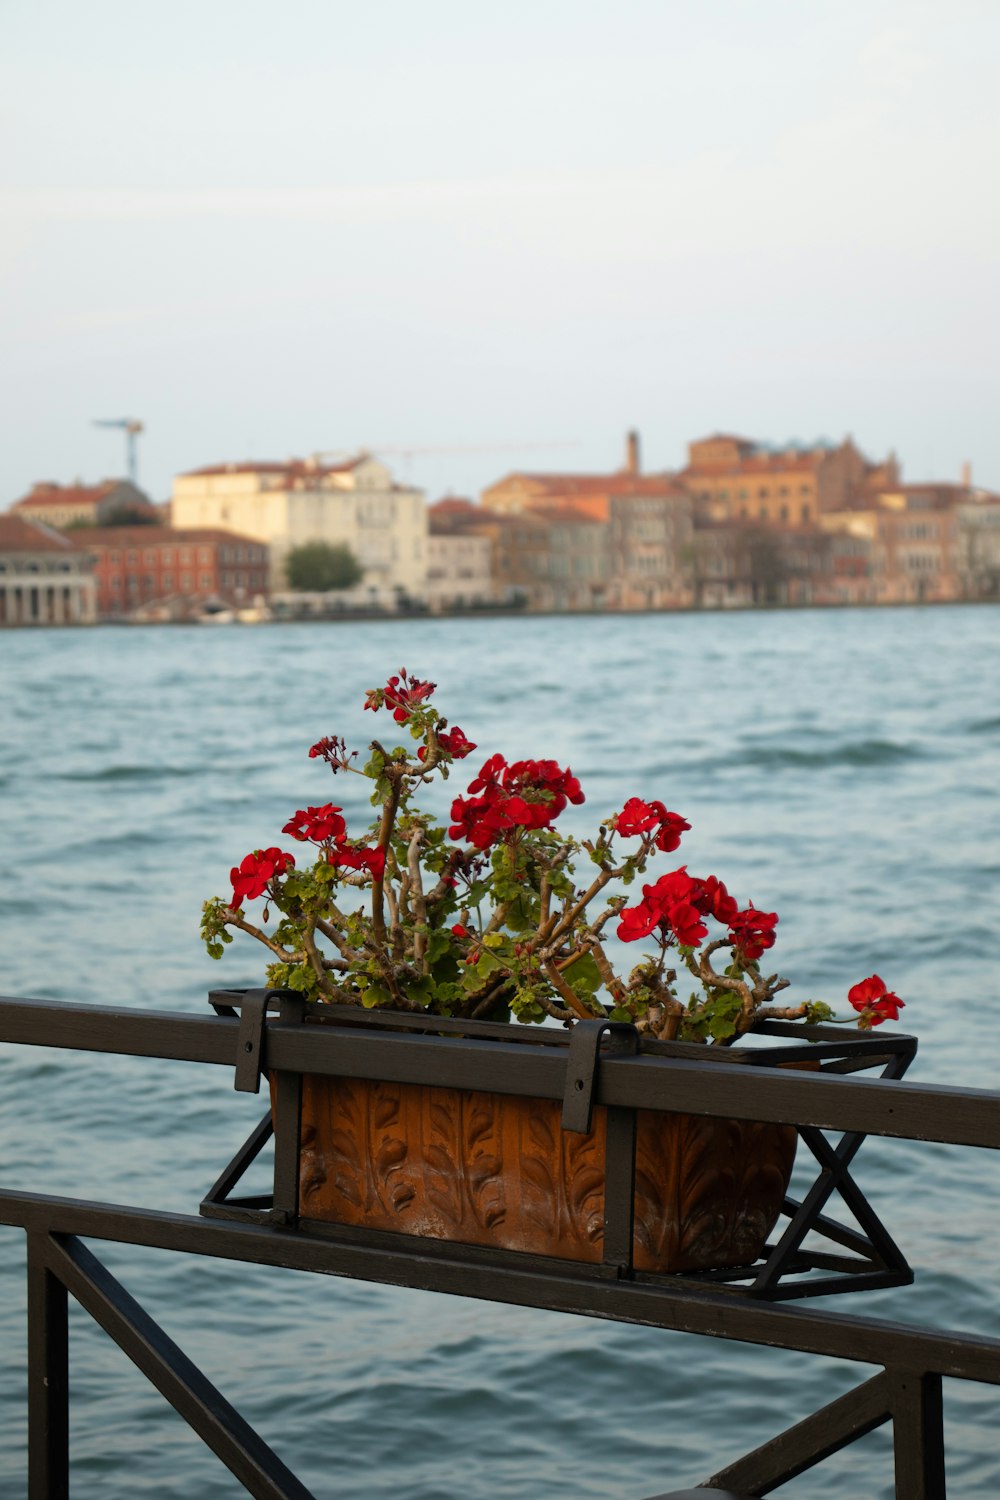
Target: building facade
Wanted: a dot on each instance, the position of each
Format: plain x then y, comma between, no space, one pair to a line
737,479
45,578
354,503
66,505
136,567
460,571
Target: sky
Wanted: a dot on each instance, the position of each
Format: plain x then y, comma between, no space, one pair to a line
480,238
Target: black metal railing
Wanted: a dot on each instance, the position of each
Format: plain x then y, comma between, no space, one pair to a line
912,1360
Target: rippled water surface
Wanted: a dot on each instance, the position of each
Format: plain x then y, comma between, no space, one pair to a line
841,768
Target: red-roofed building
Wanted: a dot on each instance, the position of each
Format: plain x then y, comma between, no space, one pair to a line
45,578
141,566
63,505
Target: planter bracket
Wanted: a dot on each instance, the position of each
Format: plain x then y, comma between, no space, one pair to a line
250,1047
582,1064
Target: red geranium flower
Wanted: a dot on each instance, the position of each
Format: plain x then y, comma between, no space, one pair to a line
751,931
401,694
251,877
503,798
459,931
875,1002
317,824
452,740
372,860
645,817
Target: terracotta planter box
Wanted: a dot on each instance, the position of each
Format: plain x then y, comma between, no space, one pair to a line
494,1169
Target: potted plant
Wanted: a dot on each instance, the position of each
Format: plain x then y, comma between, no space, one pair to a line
500,917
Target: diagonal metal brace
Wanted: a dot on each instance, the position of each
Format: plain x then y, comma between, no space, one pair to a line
581,1068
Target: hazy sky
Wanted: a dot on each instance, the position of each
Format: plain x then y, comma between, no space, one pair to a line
269,229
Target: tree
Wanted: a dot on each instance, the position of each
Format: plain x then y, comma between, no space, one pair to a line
319,567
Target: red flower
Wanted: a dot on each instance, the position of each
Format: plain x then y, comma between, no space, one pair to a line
372,860
751,931
643,817
317,824
332,748
638,816
668,835
525,794
672,901
455,742
638,921
459,931
716,899
401,694
452,740
875,1002
250,879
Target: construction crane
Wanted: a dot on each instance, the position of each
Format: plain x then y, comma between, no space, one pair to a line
131,427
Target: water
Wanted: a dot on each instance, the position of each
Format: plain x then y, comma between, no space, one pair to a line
840,768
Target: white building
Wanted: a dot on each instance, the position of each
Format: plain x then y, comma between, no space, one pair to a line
355,503
45,579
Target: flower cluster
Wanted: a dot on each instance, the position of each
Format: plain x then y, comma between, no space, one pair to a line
253,875
488,917
504,799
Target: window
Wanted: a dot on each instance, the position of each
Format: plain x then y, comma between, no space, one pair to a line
186,582
132,559
783,513
206,580
763,492
204,554
168,580
149,557
168,556
185,554
806,512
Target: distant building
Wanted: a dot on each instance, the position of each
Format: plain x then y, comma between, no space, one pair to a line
354,502
737,479
64,505
588,494
460,573
640,556
136,567
977,548
45,578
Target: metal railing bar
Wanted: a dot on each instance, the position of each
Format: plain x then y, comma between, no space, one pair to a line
48,1378
918,1435
922,1112
165,1366
172,1035
519,1280
809,1442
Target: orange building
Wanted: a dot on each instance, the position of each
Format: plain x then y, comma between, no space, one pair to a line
736,479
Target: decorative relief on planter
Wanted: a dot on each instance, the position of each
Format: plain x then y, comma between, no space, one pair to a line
497,1170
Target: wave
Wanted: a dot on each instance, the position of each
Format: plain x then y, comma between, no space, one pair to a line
854,753
129,773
